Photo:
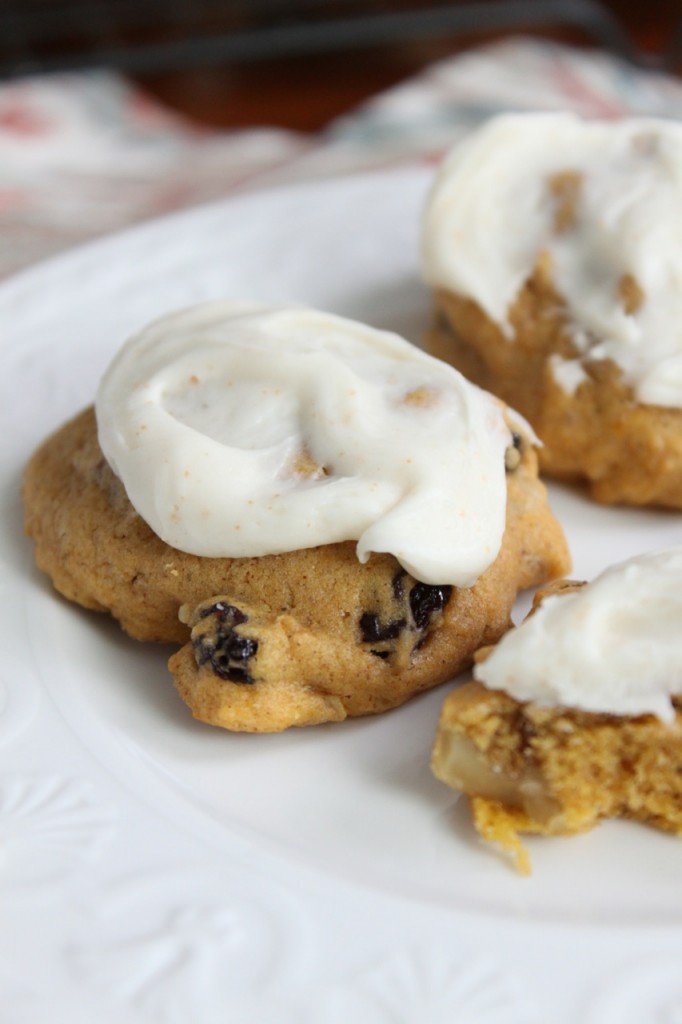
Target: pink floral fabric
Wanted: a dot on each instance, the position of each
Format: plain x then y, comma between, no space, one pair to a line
86,154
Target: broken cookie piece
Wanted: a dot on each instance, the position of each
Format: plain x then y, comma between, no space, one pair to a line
575,715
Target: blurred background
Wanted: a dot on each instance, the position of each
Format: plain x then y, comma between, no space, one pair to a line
113,112
298,64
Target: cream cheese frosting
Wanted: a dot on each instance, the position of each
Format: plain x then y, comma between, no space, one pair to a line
613,646
242,430
604,201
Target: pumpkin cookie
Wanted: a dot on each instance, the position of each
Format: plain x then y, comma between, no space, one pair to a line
274,633
555,735
552,247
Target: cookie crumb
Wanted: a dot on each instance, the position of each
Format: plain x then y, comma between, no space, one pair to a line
565,187
422,397
630,293
304,465
500,826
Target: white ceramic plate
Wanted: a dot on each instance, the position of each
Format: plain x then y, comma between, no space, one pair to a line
154,869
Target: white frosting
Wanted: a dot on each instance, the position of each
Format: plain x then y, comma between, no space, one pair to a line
491,213
241,430
613,646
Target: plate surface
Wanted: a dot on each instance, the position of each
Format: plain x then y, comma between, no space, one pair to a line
155,869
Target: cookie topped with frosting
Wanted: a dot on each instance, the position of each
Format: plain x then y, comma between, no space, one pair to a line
575,715
552,244
327,519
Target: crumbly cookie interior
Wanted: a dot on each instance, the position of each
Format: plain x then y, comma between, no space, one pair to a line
555,771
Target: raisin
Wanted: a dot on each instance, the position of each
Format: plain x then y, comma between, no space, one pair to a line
227,652
425,600
224,611
370,627
374,632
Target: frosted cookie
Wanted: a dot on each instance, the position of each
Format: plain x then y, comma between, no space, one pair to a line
554,249
576,715
326,518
